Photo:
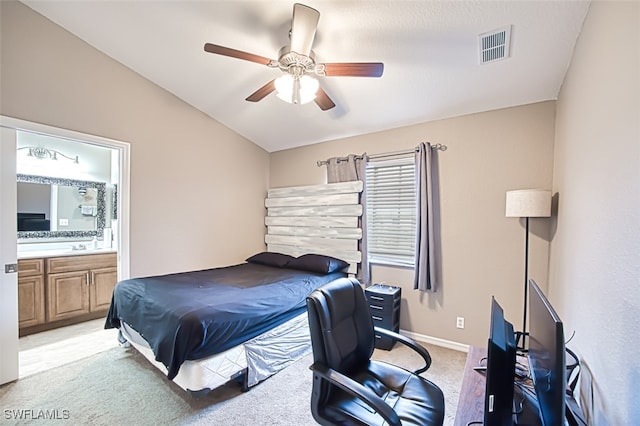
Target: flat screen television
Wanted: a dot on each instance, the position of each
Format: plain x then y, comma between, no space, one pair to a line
33,222
547,357
501,364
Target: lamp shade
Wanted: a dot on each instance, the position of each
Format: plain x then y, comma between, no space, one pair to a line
296,90
528,203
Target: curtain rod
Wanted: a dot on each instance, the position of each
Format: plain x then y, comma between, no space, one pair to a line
437,146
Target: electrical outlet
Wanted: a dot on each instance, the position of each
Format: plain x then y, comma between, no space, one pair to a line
460,322
64,222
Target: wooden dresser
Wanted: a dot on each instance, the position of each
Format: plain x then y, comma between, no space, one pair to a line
58,291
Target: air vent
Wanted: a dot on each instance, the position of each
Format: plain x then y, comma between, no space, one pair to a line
494,45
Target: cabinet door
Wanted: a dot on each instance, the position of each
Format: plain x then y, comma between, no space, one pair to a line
67,295
102,283
30,300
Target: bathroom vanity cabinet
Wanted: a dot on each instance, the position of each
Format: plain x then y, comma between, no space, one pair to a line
69,289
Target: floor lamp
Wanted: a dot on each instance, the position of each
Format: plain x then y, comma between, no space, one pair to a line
527,203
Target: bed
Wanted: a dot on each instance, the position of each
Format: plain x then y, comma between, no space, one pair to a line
247,321
205,328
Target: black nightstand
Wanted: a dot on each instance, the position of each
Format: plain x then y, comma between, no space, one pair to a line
384,304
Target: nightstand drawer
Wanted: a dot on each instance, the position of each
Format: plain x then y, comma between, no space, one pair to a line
383,296
383,293
384,342
385,318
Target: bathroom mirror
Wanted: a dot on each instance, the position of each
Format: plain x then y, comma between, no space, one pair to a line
51,207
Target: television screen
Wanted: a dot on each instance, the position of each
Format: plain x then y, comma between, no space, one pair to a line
33,222
501,364
547,357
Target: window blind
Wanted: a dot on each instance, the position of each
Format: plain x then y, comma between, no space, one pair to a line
391,211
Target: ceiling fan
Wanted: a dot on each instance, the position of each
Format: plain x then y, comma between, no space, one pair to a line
297,61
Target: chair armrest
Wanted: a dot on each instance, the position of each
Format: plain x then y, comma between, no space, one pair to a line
410,343
356,389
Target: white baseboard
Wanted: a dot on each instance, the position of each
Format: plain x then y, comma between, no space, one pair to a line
436,341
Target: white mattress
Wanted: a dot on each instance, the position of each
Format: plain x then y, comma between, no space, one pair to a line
263,355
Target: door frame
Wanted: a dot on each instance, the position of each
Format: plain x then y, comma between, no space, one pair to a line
8,251
8,256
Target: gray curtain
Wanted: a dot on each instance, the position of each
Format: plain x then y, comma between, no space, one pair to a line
425,269
347,170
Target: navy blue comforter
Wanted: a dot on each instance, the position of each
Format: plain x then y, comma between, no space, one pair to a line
193,315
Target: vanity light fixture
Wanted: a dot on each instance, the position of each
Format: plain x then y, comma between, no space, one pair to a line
44,153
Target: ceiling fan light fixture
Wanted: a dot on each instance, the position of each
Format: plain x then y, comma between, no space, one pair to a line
296,89
297,60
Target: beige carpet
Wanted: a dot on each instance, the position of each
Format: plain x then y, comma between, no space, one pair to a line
119,386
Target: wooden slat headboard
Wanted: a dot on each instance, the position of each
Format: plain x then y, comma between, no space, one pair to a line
320,219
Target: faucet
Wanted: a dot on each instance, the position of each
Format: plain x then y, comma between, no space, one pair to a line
79,247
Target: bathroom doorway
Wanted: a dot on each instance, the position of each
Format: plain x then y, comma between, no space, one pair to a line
22,136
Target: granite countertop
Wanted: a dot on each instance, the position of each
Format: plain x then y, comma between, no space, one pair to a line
34,254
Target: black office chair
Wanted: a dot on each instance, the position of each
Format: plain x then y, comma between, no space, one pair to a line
348,387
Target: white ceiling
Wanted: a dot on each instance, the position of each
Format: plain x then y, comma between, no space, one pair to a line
429,49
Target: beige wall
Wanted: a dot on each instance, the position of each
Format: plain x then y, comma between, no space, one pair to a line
197,188
192,207
595,254
482,250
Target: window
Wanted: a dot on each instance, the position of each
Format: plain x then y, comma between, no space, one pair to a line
391,211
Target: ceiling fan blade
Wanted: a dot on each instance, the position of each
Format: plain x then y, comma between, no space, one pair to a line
354,69
303,28
239,54
323,100
259,94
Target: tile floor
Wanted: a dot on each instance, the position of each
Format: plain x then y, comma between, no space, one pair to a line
53,348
